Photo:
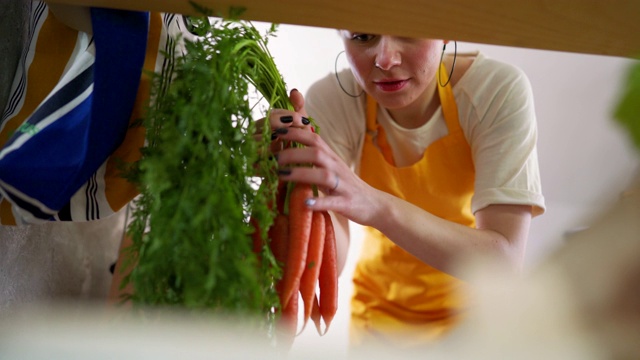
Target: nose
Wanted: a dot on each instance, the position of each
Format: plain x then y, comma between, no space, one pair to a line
387,53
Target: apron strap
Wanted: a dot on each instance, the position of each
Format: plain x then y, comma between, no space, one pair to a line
448,103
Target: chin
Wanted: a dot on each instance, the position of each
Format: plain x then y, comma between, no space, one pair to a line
392,101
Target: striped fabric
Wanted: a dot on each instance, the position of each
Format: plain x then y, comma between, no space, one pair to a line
66,129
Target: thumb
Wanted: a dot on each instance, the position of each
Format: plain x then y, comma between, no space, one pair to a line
297,100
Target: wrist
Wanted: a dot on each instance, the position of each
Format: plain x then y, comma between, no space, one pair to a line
381,210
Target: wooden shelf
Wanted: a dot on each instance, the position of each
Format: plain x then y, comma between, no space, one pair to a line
609,27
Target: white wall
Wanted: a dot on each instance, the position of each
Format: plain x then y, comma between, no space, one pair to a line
585,159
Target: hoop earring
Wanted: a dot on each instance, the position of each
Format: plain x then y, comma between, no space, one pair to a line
453,65
335,69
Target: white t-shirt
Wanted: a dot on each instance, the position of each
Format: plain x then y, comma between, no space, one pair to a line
497,116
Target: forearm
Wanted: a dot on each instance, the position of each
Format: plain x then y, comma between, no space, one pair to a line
443,244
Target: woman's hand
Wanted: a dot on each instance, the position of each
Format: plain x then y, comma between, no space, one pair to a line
296,126
281,118
344,192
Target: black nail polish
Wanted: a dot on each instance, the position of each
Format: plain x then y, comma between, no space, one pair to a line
306,121
282,131
286,119
274,135
284,171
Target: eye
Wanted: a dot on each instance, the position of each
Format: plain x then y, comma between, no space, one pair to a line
362,37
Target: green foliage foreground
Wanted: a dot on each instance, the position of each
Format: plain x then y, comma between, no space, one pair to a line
197,177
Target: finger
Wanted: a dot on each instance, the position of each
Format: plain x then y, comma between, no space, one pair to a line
306,155
326,203
297,100
325,179
279,118
276,146
306,138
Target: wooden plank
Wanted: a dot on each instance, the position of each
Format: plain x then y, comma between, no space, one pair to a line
610,27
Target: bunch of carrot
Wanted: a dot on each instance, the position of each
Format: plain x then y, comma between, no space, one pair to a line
200,134
303,242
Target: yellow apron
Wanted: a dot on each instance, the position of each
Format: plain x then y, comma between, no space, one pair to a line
397,299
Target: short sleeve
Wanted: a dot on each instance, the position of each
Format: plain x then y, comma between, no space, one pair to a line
500,125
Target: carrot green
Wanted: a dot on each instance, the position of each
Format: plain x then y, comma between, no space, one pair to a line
197,178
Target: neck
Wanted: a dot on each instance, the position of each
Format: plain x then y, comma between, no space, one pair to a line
418,113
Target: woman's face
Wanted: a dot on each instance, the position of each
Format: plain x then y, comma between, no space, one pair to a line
396,71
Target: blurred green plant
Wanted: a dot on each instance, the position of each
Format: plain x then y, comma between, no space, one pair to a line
627,112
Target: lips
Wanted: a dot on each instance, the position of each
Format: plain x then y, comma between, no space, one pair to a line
390,85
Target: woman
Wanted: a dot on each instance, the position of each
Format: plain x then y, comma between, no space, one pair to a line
442,169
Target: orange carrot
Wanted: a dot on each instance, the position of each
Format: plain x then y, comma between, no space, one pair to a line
281,195
279,244
300,217
256,236
279,237
309,278
328,279
287,325
315,315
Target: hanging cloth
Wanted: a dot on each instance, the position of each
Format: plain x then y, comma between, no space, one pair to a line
83,120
